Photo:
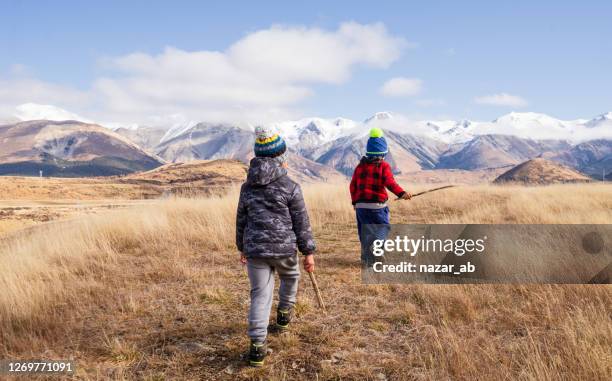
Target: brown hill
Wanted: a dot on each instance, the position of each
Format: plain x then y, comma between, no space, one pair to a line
196,177
540,172
224,172
68,149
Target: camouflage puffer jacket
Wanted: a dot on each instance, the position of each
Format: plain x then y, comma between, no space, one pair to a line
272,221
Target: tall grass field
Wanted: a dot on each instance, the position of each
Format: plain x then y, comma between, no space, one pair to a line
156,292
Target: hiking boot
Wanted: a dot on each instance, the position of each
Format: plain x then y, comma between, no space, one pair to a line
283,318
257,353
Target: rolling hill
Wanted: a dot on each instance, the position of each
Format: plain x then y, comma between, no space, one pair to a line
541,172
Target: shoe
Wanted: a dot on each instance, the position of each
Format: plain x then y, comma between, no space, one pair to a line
257,353
283,318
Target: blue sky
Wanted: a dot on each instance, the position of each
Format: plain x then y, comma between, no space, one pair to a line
472,59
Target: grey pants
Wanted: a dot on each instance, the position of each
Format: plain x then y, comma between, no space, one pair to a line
261,275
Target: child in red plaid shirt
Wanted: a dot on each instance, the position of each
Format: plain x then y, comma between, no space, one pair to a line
369,185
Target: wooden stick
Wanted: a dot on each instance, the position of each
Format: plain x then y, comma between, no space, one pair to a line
429,190
317,291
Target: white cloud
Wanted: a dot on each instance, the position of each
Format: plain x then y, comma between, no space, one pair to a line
401,86
262,76
19,90
314,55
502,99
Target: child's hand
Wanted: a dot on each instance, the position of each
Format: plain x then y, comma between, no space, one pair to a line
309,263
406,196
243,259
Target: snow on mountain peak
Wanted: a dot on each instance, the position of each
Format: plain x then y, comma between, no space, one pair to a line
34,111
178,129
382,115
463,123
517,118
316,131
343,122
599,120
326,129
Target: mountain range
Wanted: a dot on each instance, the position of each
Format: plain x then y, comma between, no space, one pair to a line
69,149
320,149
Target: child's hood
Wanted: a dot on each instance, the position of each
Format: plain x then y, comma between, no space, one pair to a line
264,170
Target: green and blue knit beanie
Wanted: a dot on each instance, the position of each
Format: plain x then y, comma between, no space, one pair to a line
268,143
377,145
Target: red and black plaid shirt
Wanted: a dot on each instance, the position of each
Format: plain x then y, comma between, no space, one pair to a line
370,179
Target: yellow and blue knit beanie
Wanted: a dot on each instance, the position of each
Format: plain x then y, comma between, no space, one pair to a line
377,145
268,143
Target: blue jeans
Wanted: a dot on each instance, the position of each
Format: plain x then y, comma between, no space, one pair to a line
372,224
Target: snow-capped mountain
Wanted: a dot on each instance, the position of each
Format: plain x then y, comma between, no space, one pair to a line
603,120
407,152
34,111
379,116
495,151
339,143
146,137
305,135
529,125
529,119
532,125
207,141
593,157
177,129
461,131
449,131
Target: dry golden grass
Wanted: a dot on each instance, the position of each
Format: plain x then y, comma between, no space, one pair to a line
16,215
555,204
34,188
27,201
181,178
156,292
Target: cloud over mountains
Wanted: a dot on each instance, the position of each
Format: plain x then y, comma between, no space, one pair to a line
261,76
